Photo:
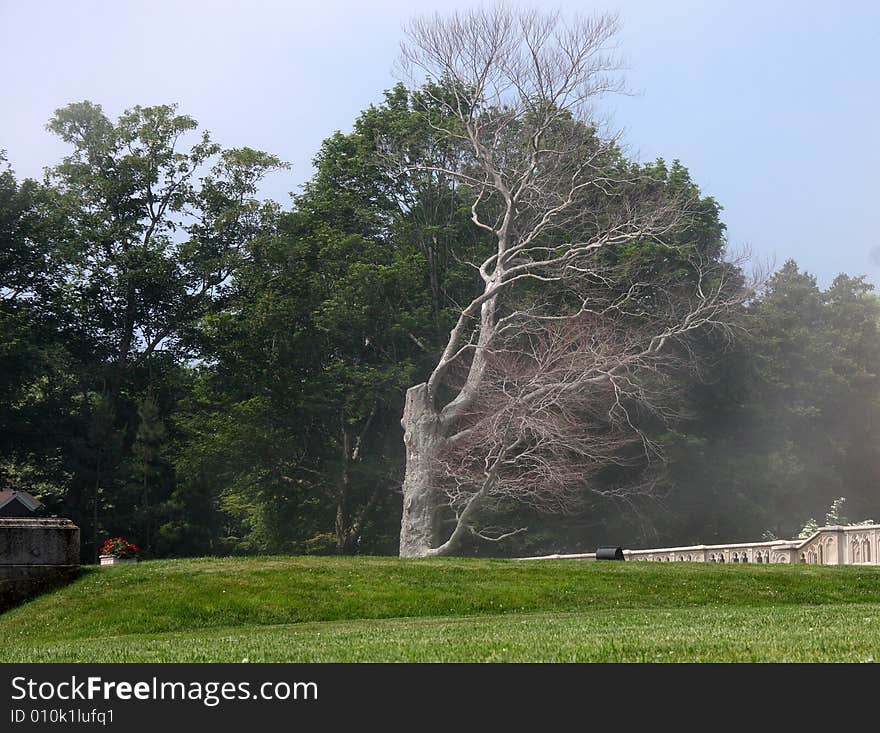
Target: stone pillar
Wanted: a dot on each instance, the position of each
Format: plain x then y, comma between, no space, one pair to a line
36,555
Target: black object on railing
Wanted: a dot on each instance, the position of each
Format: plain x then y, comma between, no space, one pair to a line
609,553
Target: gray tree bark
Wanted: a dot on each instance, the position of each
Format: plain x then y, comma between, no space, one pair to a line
423,439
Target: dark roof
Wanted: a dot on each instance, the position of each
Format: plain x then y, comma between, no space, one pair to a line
24,497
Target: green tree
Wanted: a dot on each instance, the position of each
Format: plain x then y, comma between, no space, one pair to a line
789,421
38,372
153,219
327,322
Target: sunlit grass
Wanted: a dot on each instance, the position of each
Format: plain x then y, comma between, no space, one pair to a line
385,609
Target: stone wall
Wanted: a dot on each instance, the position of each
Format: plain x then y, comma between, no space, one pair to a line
36,555
833,545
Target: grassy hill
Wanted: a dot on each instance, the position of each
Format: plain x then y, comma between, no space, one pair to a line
383,609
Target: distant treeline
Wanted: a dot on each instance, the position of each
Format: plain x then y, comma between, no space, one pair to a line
204,372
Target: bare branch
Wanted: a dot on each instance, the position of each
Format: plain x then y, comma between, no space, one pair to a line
590,299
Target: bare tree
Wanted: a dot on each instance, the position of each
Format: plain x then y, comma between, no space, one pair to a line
549,368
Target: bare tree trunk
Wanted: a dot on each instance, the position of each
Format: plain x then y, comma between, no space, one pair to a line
343,518
148,530
345,539
547,370
423,438
96,553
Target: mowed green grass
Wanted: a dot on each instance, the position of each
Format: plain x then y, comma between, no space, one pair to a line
310,609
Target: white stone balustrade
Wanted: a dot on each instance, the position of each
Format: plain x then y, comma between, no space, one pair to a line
857,544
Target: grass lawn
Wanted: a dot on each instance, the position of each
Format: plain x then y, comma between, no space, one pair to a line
309,609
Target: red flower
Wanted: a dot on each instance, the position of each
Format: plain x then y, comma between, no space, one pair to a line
119,547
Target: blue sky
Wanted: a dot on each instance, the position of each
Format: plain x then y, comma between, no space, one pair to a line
773,106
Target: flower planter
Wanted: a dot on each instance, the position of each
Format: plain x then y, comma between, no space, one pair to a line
110,560
117,551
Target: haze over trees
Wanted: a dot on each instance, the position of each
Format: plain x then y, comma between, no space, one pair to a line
205,372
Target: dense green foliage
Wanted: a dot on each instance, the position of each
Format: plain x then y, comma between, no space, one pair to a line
791,422
386,609
204,372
